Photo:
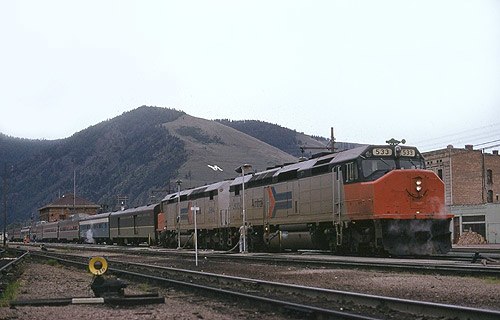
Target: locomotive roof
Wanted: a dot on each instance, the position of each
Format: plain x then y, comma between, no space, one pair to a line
238,179
264,174
303,165
197,190
296,166
326,159
349,154
217,185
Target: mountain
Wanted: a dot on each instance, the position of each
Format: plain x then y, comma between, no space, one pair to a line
290,141
13,150
282,138
138,155
129,155
211,143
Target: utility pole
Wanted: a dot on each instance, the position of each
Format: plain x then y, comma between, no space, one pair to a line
5,205
74,189
178,220
330,146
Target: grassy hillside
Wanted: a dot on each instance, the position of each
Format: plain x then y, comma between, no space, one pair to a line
282,138
212,143
139,154
130,155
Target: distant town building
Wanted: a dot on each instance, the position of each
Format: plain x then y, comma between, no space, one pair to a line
65,206
472,187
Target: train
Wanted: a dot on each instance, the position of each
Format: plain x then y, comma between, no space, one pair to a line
130,226
372,199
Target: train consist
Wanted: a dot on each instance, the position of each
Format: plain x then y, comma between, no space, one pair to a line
370,199
131,226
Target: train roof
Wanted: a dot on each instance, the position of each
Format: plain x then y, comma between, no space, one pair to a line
319,161
96,216
218,185
349,154
197,190
238,179
303,165
133,210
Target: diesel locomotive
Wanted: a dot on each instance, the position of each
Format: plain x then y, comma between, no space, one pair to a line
370,199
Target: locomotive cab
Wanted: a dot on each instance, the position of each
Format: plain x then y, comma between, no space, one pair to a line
396,206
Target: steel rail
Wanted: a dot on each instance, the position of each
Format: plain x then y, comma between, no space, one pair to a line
471,270
420,308
476,270
310,310
13,262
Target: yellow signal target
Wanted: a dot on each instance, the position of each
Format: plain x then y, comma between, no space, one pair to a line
98,265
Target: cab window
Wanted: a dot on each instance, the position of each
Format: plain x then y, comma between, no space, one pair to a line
351,172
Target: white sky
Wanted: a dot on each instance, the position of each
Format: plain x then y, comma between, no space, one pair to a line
426,71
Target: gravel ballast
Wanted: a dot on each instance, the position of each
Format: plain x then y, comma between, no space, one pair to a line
43,281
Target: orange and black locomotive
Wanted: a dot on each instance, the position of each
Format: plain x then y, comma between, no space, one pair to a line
370,199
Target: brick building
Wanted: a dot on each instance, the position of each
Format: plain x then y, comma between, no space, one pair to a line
65,206
472,186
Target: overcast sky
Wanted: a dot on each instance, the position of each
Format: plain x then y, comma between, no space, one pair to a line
426,71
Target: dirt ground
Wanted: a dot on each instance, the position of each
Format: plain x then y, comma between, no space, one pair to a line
46,281
42,281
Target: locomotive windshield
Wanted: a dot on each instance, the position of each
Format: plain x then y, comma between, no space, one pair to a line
382,160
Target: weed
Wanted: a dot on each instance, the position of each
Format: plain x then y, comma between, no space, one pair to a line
52,262
492,280
9,293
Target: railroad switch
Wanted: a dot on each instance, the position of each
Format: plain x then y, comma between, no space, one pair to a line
104,287
107,291
108,287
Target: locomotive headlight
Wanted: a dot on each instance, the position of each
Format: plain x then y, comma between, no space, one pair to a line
419,185
397,150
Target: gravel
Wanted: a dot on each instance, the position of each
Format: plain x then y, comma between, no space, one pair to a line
46,281
457,290
43,281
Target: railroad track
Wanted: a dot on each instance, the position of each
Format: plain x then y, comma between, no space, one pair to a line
310,301
432,265
7,264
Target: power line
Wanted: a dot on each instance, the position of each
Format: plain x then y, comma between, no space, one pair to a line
489,147
474,140
466,135
480,144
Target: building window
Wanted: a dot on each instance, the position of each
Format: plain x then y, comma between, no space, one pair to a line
489,176
440,174
490,196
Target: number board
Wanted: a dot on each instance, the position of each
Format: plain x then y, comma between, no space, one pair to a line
407,152
382,151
